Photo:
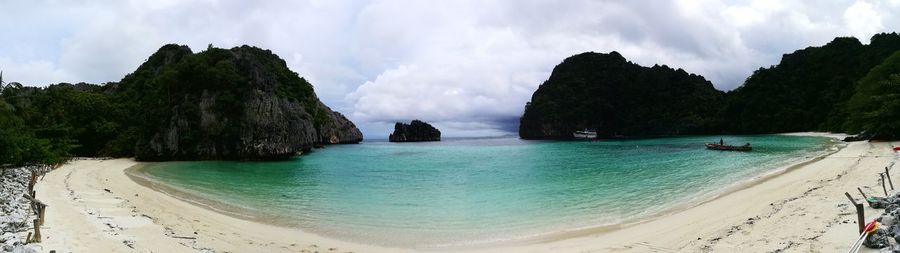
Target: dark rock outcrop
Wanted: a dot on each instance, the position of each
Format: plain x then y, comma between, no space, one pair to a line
241,103
415,131
619,98
889,220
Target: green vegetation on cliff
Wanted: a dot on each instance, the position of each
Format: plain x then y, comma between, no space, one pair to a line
875,107
239,103
808,90
617,97
836,87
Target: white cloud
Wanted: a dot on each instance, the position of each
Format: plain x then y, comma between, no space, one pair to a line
466,65
863,20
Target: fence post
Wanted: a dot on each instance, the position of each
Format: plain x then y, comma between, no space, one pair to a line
861,217
37,231
888,173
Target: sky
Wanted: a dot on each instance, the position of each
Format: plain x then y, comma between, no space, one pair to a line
466,66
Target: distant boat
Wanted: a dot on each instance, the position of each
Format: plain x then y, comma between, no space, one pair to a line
715,146
585,134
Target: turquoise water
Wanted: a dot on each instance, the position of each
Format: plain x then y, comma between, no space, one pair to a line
480,190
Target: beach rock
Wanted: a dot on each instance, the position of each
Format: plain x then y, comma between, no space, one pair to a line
878,202
864,136
27,249
878,239
244,105
16,210
415,131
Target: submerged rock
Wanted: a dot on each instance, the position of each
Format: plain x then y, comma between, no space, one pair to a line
415,131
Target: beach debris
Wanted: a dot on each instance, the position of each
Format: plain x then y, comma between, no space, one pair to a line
128,243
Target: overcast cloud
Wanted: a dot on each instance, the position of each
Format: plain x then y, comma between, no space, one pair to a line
468,66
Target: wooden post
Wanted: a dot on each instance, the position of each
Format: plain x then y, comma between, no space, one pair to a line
32,181
883,185
37,231
888,173
866,198
861,217
35,204
41,209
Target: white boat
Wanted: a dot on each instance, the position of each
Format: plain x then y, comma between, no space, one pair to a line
585,134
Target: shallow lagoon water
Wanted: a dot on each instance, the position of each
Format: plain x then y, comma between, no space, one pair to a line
471,191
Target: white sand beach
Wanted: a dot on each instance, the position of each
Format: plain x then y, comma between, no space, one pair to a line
95,207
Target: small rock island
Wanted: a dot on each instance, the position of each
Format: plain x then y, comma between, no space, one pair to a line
415,131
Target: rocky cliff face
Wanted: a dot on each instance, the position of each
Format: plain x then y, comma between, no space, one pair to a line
617,97
414,131
241,103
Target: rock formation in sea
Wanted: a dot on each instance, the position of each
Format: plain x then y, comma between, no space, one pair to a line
239,103
615,97
415,131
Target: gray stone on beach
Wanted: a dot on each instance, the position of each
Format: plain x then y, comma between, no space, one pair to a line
27,249
877,239
878,202
16,210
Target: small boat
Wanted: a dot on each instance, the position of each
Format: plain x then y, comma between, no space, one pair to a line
716,146
585,134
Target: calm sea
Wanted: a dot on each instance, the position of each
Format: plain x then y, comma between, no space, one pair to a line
471,191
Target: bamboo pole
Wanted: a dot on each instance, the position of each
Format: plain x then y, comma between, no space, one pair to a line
883,186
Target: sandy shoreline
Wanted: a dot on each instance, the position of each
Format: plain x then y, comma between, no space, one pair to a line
96,207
